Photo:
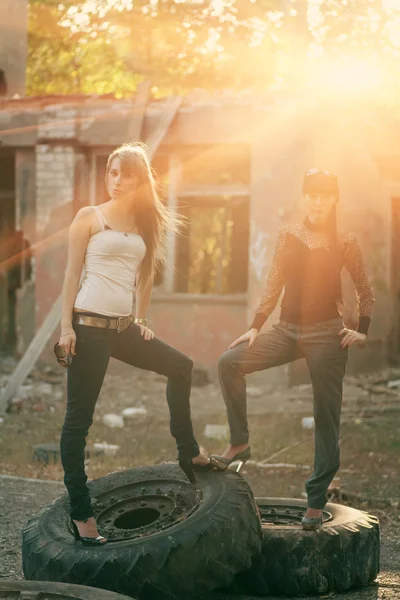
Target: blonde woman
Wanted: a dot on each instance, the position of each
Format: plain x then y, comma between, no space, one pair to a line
117,244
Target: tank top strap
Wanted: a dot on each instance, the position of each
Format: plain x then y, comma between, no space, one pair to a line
100,217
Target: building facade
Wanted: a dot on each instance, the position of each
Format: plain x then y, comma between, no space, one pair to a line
233,167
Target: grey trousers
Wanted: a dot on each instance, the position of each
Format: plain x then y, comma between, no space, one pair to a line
320,345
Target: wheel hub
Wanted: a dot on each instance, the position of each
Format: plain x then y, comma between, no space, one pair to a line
144,507
286,515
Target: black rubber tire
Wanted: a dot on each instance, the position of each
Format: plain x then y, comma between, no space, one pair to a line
189,558
41,590
341,555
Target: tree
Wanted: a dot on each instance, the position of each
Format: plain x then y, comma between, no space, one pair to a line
91,47
108,46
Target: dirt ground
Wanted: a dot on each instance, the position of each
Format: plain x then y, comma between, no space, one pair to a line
282,449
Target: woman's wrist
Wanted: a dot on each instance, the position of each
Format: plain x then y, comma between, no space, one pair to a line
363,325
140,321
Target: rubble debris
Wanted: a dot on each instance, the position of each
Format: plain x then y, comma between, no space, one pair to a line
216,432
113,420
106,449
134,411
50,453
394,383
308,423
253,391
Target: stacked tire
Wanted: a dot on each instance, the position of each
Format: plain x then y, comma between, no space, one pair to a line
341,555
45,590
170,540
167,539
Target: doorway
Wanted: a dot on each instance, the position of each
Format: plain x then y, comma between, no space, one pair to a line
9,281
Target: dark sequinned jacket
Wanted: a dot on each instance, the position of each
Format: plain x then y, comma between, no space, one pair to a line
308,270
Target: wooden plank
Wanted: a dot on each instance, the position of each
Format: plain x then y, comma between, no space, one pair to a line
155,138
31,355
139,111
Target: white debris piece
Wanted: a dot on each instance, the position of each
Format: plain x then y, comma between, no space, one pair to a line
25,392
394,383
112,420
216,432
134,411
253,391
44,389
308,423
58,394
107,449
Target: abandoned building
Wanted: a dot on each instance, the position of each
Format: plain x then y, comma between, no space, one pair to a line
232,164
233,167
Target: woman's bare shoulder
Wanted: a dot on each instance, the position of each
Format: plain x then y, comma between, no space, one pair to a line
83,222
85,212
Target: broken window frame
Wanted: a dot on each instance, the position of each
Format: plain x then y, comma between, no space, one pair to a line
231,200
174,193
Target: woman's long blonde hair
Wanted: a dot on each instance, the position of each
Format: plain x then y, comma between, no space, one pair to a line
152,219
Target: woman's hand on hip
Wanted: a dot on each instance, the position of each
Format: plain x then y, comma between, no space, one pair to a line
351,337
147,333
249,336
68,341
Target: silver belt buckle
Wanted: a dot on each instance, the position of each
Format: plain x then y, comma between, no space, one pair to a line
119,330
119,322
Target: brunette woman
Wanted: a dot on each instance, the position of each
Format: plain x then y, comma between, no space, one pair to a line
307,263
117,244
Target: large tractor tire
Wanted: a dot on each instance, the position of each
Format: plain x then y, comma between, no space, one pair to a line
167,539
341,555
48,590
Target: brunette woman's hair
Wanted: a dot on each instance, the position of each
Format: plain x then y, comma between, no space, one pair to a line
153,220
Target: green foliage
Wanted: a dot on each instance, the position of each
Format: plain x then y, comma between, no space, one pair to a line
103,47
108,46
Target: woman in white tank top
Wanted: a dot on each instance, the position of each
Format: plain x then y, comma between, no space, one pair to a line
116,244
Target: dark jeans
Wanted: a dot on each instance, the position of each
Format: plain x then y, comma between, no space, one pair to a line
326,360
94,347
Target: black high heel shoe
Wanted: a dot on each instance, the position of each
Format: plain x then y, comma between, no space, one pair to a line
88,541
222,463
187,467
202,468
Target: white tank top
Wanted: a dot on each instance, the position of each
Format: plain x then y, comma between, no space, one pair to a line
111,262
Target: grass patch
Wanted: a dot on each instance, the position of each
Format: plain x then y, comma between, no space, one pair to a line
369,449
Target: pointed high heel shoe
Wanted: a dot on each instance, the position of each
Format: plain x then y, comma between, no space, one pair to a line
222,463
311,523
88,541
187,467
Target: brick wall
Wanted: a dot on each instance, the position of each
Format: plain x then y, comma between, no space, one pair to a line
55,165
